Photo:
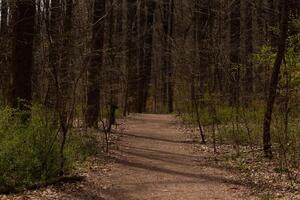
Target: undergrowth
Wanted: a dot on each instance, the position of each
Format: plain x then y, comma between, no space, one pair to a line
29,149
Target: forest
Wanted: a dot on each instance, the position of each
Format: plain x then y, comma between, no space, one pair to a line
74,72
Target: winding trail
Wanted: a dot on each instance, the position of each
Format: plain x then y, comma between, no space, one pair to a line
155,161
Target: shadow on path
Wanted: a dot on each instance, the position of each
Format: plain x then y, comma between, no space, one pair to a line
196,176
157,139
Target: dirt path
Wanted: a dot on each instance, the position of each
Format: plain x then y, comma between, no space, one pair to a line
154,161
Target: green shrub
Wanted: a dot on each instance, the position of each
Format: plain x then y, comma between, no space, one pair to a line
29,151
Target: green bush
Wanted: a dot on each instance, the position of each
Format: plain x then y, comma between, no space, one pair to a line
29,150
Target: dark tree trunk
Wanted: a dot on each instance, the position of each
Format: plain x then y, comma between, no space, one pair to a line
195,108
201,32
113,28
130,103
95,65
275,79
23,53
260,39
146,53
235,37
295,13
54,30
248,51
151,6
68,48
66,72
271,22
142,46
3,57
65,83
4,15
168,20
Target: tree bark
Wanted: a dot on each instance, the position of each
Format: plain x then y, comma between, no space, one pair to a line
23,53
95,65
248,42
52,98
130,103
65,84
141,68
235,37
3,55
201,32
151,6
4,15
168,20
275,79
147,53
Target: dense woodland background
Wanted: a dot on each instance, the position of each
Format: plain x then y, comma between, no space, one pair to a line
230,67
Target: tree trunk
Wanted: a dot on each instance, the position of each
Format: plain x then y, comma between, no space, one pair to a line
201,32
65,83
23,53
67,72
131,62
4,14
275,79
95,65
168,20
235,37
151,6
248,42
146,53
52,98
142,57
3,56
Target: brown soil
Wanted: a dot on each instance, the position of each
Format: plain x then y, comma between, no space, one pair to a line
154,160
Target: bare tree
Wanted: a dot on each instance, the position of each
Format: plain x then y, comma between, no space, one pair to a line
275,78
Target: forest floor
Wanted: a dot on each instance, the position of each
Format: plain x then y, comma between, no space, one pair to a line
154,159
